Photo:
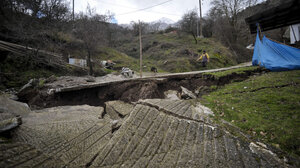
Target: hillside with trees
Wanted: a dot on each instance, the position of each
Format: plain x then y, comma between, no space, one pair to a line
49,25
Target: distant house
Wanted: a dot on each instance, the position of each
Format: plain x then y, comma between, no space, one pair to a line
294,33
78,62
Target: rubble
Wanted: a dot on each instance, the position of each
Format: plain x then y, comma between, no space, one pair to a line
90,79
29,90
187,94
8,122
172,95
127,73
13,107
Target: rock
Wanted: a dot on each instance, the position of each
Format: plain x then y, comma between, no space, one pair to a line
31,84
13,107
90,79
172,95
186,94
117,109
28,91
10,122
10,113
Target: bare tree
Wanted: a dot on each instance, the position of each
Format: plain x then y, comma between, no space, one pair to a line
229,10
188,23
155,27
92,29
135,27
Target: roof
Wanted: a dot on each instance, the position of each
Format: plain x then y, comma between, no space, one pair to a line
283,15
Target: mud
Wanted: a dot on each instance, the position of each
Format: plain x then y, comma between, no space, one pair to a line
127,90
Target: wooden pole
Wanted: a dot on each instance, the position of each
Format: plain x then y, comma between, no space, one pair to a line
200,20
73,11
141,51
198,28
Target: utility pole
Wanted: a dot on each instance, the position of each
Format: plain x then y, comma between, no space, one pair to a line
198,28
200,20
73,11
141,51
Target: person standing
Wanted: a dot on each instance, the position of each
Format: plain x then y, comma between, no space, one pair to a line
204,57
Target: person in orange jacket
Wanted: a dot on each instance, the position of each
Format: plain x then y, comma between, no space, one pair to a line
205,58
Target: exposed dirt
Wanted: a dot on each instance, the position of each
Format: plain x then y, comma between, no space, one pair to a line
125,90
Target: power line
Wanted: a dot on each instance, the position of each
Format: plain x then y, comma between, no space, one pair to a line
144,8
108,3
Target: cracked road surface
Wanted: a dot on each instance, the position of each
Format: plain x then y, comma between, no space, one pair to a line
156,133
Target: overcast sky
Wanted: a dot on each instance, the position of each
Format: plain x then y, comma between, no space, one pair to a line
172,10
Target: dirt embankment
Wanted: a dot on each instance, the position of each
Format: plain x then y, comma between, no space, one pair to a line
126,90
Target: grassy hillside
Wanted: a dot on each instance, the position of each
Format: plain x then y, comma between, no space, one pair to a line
177,53
168,52
266,106
17,70
121,59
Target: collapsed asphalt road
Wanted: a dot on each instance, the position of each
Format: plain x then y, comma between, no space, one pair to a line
127,123
96,91
151,133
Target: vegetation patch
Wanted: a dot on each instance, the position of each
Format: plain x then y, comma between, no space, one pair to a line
242,70
171,52
266,107
16,71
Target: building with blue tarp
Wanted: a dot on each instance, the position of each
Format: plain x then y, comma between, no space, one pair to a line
271,54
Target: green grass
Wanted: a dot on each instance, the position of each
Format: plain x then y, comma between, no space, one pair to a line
121,59
242,70
21,78
166,52
266,106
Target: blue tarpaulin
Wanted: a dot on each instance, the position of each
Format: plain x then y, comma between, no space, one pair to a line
275,56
